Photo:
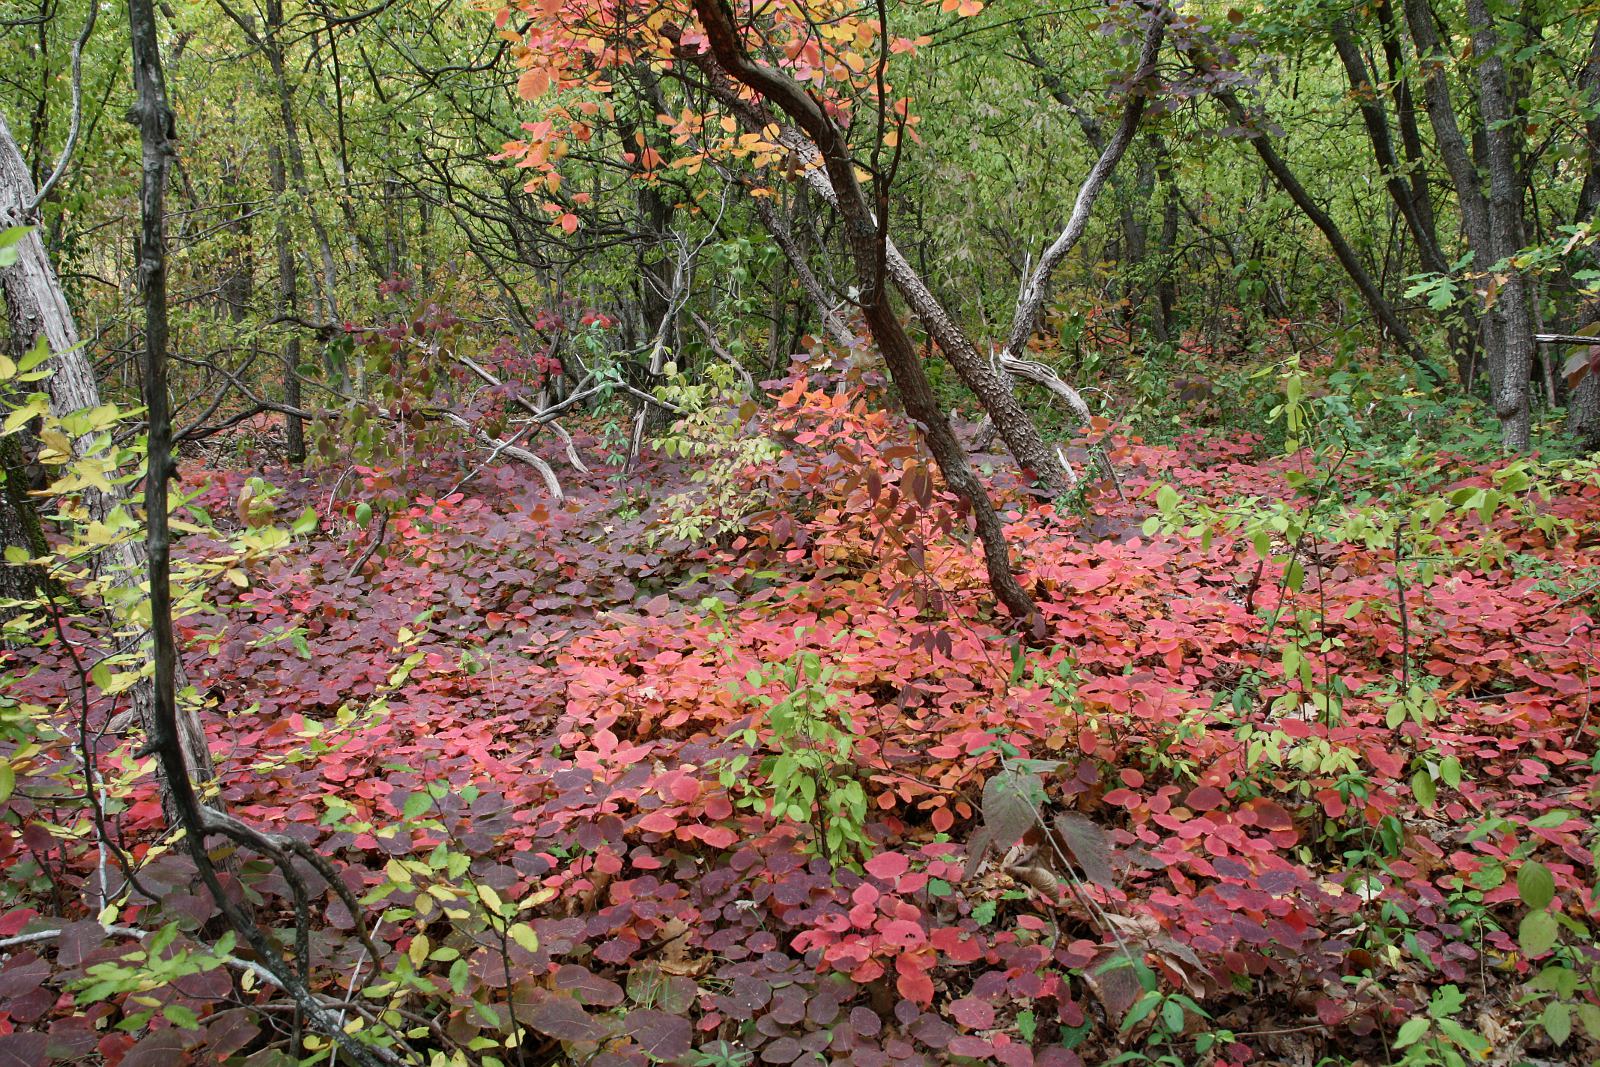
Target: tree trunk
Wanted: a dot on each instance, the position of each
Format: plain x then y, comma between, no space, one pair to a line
1452,148
1410,197
1583,405
19,528
238,283
295,154
867,236
1370,293
38,309
1167,328
992,387
1510,313
294,427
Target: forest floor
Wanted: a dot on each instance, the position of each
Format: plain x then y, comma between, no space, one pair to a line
568,700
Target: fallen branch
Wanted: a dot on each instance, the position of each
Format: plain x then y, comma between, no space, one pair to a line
544,470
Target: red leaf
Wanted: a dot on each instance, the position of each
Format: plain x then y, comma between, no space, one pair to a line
916,987
718,836
973,1013
887,865
659,822
1270,816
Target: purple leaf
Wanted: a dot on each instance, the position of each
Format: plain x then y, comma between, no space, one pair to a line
663,1036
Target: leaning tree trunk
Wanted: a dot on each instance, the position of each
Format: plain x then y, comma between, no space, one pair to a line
37,308
1435,62
1278,167
866,233
989,383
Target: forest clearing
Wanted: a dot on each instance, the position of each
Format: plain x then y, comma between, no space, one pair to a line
718,532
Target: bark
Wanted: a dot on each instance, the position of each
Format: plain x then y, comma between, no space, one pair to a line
1405,111
1030,304
294,427
827,311
238,283
1410,197
1452,148
37,308
156,136
1370,105
19,528
1510,312
1167,328
1583,406
867,238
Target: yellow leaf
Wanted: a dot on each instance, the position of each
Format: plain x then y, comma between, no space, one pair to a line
523,935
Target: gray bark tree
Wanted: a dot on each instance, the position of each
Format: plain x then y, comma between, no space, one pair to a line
36,308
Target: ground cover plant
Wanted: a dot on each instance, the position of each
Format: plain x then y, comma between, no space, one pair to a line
688,532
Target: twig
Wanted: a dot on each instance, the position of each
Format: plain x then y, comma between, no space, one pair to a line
77,113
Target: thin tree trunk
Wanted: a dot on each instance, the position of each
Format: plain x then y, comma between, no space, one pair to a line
1370,104
1583,404
1410,197
1452,148
989,383
1167,327
1370,293
294,430
295,153
238,283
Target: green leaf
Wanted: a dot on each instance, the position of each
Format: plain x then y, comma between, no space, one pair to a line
1423,789
416,805
1172,1017
523,935
1535,884
1450,772
1410,1032
1589,1015
183,1018
1396,715
1537,933
1557,1020
1141,1009
1550,820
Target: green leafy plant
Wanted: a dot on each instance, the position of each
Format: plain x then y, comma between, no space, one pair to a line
807,773
711,435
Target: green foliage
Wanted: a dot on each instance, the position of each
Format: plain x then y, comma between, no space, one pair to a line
712,437
808,771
